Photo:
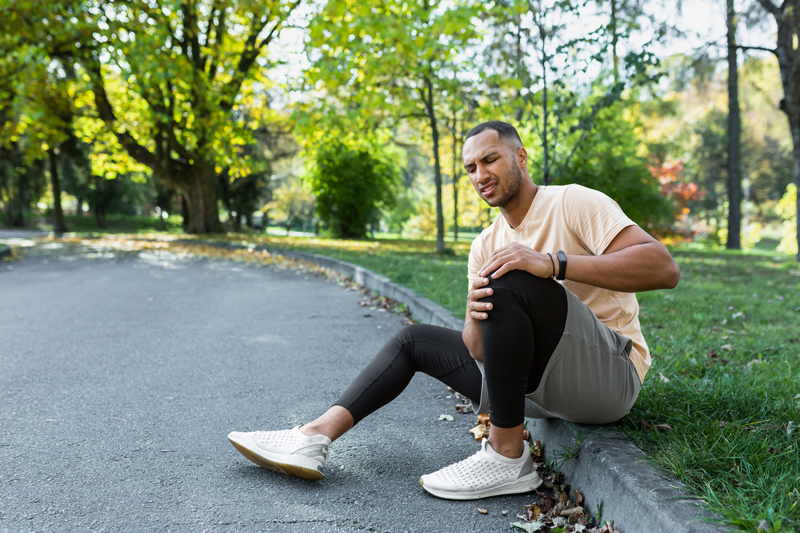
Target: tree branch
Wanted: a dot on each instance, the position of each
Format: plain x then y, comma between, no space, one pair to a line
769,6
106,113
760,48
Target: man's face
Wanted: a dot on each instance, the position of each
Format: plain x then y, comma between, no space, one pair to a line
492,166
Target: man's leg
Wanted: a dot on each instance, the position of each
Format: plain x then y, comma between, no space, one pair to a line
301,451
436,351
522,330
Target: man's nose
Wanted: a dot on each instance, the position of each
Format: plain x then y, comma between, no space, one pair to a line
481,174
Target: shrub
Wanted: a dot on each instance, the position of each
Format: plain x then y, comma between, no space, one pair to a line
353,185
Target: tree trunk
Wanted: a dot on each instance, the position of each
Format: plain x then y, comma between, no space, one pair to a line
545,146
58,213
795,127
614,40
734,128
79,207
437,168
201,201
455,178
184,212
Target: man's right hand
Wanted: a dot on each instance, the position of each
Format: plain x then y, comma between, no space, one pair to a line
478,310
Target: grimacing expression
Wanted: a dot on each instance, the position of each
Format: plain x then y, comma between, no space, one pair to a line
494,170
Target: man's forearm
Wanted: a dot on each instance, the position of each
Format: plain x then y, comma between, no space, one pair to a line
472,338
641,267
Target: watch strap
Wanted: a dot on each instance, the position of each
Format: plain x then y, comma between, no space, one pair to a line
562,265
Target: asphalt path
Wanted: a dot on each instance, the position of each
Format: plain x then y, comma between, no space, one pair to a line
120,379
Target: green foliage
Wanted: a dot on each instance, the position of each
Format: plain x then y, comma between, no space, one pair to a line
22,183
353,185
608,162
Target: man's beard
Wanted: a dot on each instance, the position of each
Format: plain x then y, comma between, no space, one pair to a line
512,182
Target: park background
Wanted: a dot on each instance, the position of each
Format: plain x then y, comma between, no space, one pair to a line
336,127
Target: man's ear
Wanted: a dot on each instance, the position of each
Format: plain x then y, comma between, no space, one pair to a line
522,157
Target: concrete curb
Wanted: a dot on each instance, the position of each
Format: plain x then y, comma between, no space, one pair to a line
607,467
5,251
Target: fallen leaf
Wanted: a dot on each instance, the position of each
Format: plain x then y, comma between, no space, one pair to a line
578,497
504,512
790,427
536,450
763,526
572,511
608,528
526,435
562,497
534,511
528,527
449,418
727,347
546,502
483,419
480,432
663,427
644,425
773,451
483,511
462,408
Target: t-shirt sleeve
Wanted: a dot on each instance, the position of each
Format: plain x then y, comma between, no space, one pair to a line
594,217
476,260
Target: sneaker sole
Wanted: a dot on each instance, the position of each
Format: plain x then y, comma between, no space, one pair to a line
523,484
279,462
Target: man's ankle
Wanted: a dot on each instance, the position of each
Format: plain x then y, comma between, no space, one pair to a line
509,450
507,441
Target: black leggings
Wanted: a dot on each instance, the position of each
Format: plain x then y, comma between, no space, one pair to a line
519,336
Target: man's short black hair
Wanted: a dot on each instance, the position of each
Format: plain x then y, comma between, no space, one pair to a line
504,131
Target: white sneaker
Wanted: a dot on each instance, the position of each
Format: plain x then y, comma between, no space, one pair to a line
287,451
487,473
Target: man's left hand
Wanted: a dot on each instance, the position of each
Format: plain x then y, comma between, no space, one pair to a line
516,256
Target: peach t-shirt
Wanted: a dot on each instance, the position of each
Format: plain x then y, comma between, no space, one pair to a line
579,221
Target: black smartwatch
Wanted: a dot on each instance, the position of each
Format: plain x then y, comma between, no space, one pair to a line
562,265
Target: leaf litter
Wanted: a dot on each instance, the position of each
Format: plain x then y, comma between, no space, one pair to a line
168,251
554,510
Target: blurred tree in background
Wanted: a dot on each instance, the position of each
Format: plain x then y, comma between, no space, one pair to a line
353,185
219,110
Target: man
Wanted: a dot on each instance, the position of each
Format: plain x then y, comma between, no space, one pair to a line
530,345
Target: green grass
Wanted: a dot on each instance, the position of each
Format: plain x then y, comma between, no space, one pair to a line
729,415
114,224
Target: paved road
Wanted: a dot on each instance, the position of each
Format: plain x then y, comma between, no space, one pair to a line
120,379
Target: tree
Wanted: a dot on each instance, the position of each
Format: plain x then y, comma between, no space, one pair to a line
787,16
393,60
535,72
734,136
168,79
353,185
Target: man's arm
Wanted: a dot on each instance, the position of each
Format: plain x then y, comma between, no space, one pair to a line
633,262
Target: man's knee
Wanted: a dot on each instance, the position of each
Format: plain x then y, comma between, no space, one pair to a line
516,280
411,333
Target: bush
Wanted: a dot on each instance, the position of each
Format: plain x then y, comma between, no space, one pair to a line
608,162
353,185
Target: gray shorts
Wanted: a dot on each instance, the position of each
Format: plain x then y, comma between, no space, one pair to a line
589,379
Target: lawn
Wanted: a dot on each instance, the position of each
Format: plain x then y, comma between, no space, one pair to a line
726,352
